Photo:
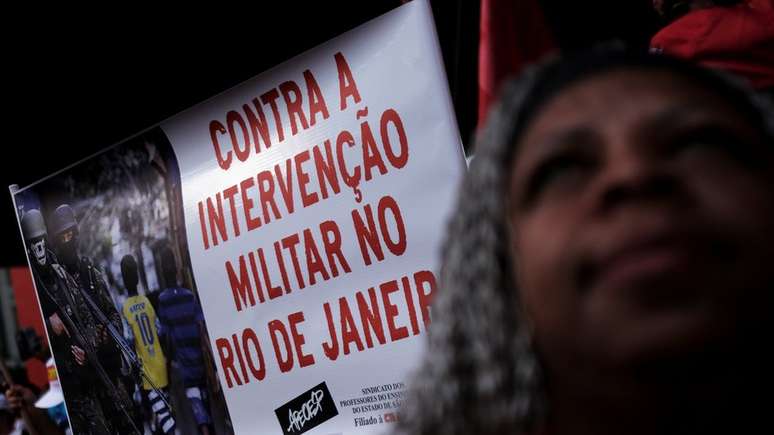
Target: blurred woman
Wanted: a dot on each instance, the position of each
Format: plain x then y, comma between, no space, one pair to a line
608,270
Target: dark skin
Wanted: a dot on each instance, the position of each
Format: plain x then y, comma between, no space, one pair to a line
642,235
129,273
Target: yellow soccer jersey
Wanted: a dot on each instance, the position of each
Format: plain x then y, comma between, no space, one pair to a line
141,317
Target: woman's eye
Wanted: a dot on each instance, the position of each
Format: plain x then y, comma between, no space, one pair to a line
697,144
711,142
562,172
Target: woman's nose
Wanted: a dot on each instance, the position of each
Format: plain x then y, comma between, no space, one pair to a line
632,175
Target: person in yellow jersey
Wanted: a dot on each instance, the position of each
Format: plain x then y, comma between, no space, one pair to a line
143,330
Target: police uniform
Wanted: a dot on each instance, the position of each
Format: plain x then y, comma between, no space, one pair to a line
109,354
79,383
90,302
59,294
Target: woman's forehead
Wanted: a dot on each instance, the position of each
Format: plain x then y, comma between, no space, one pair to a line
623,85
622,98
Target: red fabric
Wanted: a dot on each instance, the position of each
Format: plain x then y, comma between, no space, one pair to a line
513,34
28,315
739,39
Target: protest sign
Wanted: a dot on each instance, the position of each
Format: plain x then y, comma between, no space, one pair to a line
285,233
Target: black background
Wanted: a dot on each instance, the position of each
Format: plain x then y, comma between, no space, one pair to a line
78,79
328,410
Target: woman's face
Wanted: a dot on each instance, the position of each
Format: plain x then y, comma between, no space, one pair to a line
642,221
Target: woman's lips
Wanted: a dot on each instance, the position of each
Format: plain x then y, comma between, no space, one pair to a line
652,262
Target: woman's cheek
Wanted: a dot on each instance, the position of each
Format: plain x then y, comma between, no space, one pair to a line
542,269
736,201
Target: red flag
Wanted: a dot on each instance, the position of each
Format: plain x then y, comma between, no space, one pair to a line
738,38
514,33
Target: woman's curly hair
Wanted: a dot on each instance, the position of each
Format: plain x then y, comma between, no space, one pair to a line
480,373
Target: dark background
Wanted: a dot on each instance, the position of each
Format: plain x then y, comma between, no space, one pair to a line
78,79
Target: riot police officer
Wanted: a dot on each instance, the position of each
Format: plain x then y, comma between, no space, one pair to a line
41,261
117,406
66,314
